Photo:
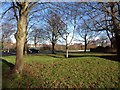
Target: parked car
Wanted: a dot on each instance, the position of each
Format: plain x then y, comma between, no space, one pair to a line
33,50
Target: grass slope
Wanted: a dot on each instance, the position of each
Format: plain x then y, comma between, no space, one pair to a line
55,71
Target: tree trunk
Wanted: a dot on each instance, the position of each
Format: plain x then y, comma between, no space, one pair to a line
116,29
66,46
35,41
2,47
53,48
85,46
25,47
111,43
85,43
66,51
20,41
8,50
118,44
102,43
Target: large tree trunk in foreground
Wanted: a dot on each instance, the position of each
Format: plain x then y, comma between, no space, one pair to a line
20,40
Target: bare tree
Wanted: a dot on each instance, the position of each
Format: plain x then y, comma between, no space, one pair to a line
112,11
55,26
68,33
109,31
103,40
85,32
35,16
72,21
37,35
7,31
21,10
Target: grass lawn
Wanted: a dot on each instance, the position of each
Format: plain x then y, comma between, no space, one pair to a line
55,71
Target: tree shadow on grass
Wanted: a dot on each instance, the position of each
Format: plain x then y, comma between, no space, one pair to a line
10,65
113,58
107,57
7,76
55,55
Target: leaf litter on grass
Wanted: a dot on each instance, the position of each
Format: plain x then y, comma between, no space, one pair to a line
82,72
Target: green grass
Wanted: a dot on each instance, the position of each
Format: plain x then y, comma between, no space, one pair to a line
55,71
